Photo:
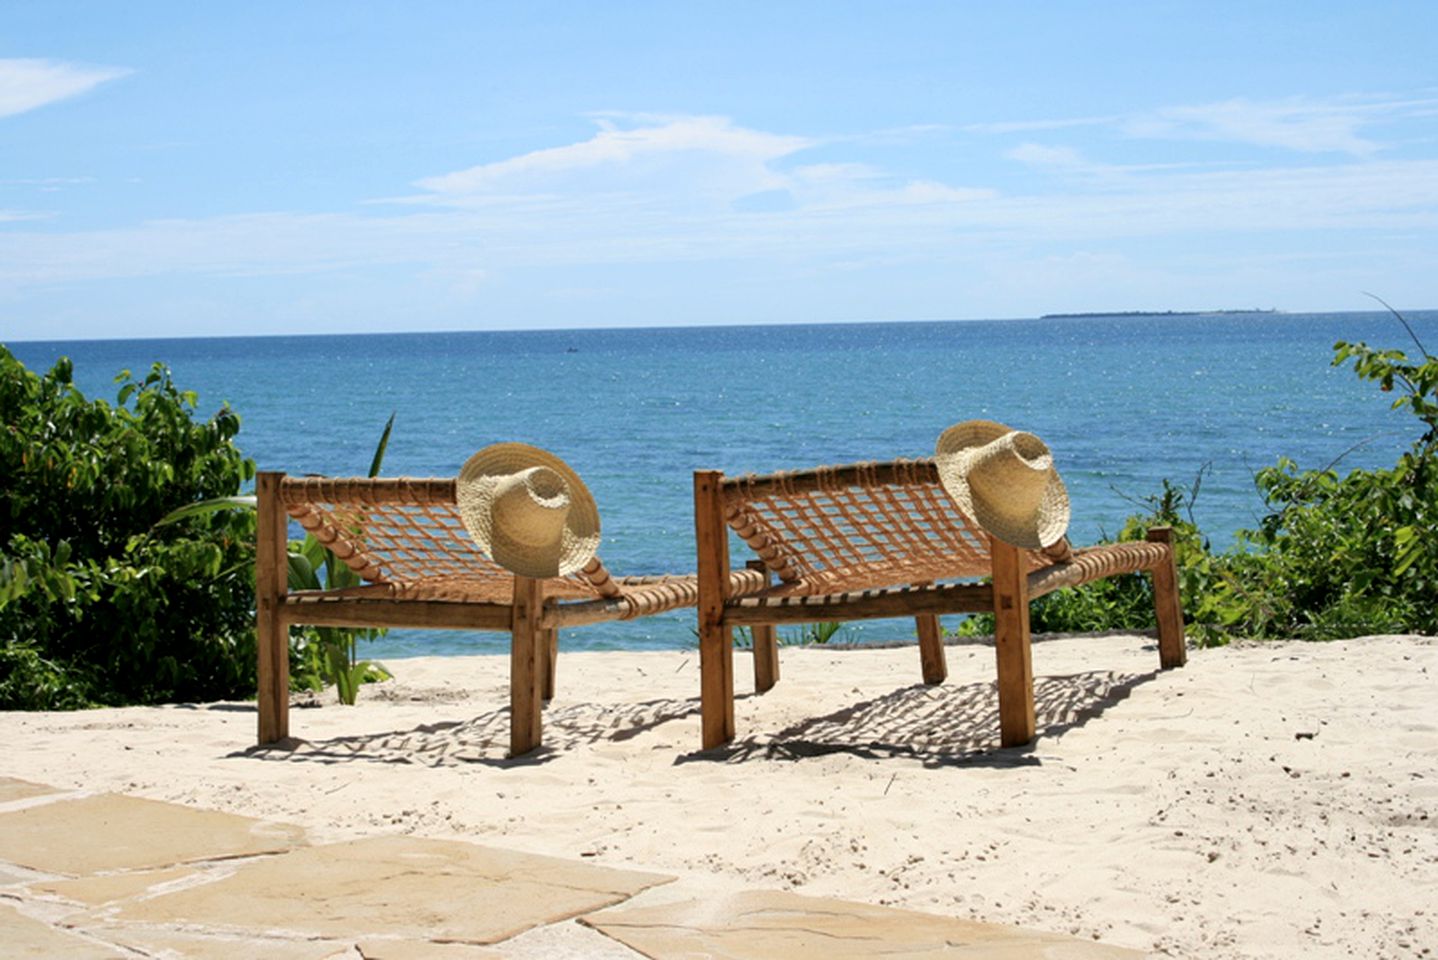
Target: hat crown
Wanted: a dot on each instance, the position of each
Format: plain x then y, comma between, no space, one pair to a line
1016,465
530,507
1005,480
527,510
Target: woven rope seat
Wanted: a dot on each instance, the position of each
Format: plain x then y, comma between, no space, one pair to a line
874,525
885,539
420,567
404,536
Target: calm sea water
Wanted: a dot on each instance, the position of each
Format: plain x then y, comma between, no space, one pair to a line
1123,401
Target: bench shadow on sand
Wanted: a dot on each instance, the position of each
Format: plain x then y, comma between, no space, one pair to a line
945,725
949,724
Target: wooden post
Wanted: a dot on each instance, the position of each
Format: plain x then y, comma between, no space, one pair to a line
272,631
1011,644
931,649
1167,606
550,662
716,638
525,692
766,646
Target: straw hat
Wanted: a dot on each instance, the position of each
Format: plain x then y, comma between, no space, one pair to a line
527,510
1005,480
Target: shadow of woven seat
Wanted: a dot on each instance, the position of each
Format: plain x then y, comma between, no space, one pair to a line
483,739
938,725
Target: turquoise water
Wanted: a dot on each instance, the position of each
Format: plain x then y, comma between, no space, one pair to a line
1124,402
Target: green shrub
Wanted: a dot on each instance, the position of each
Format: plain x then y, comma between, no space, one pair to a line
97,603
1126,602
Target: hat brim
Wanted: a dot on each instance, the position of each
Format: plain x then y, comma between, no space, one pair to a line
474,495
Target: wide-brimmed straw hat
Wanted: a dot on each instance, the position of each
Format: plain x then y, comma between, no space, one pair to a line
1005,480
527,510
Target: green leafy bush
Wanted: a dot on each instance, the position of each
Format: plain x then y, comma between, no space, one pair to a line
97,603
1126,603
1340,556
319,656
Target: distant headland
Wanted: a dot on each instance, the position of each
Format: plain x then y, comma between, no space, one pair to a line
1155,313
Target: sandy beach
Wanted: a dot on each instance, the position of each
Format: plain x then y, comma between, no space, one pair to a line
1275,800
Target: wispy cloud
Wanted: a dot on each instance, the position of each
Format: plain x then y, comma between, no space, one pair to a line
1297,123
705,189
28,84
1301,124
1041,156
1035,126
709,154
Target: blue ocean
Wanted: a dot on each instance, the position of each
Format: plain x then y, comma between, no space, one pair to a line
1123,401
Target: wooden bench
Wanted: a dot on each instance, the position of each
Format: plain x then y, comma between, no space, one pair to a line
420,567
872,540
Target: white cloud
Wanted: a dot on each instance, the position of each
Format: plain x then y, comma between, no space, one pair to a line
1033,126
1301,124
714,193
709,153
845,220
1044,157
28,84
1296,123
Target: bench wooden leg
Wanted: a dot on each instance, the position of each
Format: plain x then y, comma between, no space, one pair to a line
766,657
716,638
931,649
1012,645
525,659
716,691
550,661
1167,607
272,630
766,646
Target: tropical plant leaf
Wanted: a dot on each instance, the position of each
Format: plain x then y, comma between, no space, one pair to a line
202,507
378,460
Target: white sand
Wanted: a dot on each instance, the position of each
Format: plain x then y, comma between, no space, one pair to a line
1275,800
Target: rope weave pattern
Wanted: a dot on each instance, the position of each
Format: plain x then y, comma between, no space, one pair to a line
858,526
1095,563
406,539
872,525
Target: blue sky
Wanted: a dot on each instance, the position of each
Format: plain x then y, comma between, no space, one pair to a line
171,169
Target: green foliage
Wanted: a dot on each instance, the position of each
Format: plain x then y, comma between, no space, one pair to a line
28,681
813,633
806,635
319,656
97,603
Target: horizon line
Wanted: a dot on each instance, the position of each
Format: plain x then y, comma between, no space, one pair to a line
1085,315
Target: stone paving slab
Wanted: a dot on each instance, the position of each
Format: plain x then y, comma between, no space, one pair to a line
95,834
423,950
403,887
96,891
761,924
9,876
23,937
12,790
185,945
